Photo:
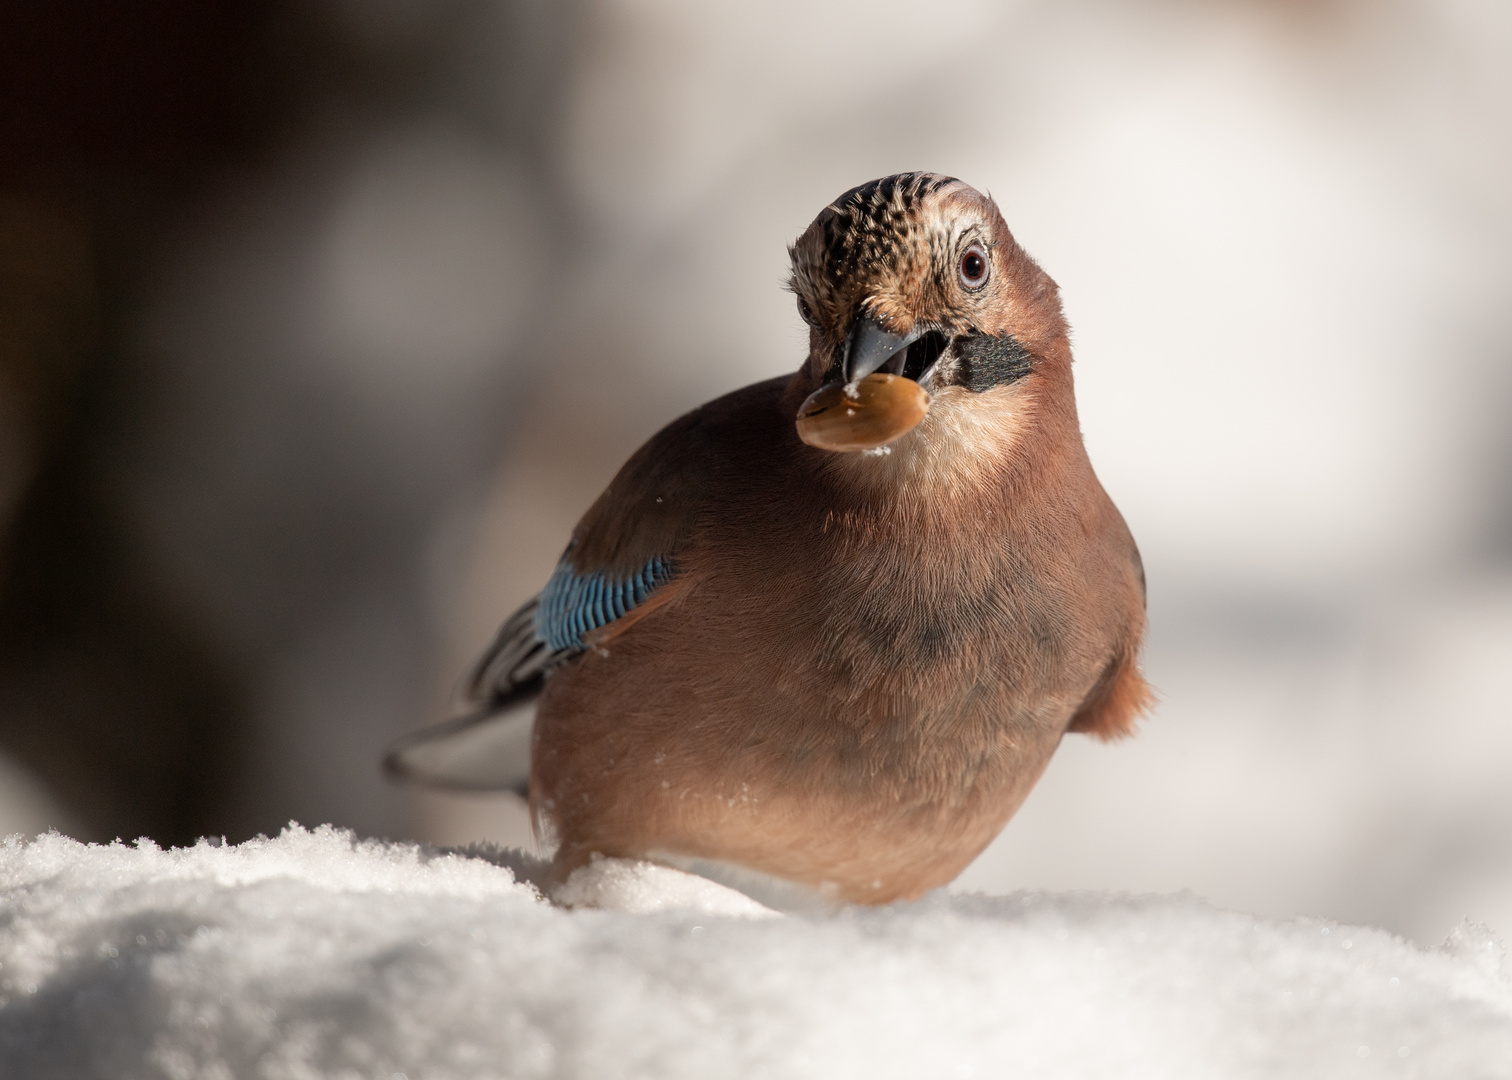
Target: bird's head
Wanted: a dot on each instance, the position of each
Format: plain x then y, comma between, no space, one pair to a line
915,276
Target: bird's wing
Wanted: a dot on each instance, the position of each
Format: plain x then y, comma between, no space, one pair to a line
488,746
621,565
576,610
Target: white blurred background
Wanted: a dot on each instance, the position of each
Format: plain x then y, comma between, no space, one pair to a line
363,371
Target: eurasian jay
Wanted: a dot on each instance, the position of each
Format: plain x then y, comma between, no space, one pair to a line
834,657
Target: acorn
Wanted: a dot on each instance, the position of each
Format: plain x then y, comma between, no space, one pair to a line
863,415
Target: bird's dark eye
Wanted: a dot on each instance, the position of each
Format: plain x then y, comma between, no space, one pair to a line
805,312
974,267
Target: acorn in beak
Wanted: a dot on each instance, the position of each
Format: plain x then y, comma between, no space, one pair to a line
876,397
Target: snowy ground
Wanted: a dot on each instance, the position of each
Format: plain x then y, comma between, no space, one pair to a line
313,955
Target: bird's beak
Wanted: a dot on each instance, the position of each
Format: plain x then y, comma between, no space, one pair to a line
870,348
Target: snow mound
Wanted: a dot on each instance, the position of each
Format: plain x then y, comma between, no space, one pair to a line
317,955
643,887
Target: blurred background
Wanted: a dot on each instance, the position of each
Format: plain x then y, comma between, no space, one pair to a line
321,323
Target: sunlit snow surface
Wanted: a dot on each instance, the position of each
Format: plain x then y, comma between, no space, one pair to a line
314,955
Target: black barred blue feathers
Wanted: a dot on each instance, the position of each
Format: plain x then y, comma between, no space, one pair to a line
487,747
573,604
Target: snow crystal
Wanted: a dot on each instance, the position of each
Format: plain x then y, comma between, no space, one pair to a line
317,955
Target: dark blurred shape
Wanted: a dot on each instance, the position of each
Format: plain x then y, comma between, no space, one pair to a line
106,93
126,687
110,114
47,328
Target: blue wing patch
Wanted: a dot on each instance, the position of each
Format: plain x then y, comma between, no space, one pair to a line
572,604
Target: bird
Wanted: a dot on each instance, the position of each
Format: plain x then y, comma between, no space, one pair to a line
835,663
